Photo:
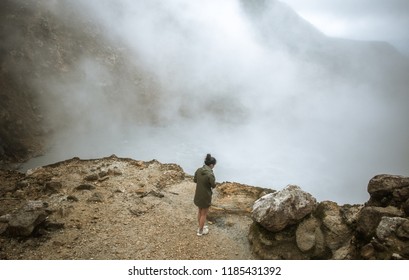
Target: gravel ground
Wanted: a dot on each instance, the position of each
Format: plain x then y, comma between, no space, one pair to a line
128,217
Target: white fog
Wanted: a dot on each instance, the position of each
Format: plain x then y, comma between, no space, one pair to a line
273,99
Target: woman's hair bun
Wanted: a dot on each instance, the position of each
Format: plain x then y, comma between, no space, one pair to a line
210,160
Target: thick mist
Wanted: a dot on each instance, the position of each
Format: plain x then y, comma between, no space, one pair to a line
203,77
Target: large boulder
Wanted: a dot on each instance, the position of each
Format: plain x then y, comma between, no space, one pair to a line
309,236
370,217
276,211
26,219
235,198
325,233
382,226
388,190
336,231
275,245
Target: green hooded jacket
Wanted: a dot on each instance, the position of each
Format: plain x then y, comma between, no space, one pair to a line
205,182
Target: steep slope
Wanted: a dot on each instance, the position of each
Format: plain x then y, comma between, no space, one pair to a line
280,28
46,61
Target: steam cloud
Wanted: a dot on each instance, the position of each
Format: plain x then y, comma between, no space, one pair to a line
220,77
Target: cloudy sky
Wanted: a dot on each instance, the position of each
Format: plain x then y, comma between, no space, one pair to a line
383,20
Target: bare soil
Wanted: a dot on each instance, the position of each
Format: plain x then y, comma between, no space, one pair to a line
119,209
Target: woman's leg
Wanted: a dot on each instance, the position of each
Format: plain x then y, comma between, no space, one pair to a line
199,214
202,217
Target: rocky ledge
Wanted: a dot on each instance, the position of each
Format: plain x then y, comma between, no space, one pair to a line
291,224
118,208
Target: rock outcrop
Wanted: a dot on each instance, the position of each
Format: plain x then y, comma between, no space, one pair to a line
25,220
76,180
382,228
278,210
388,190
301,228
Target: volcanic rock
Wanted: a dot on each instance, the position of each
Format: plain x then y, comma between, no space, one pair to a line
24,221
276,211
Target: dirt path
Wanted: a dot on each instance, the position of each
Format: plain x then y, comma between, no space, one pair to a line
127,225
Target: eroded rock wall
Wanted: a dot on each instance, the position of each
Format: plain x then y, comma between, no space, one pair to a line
285,228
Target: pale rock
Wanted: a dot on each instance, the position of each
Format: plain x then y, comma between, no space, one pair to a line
276,211
388,226
306,234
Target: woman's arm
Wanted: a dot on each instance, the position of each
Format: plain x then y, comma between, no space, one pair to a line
212,180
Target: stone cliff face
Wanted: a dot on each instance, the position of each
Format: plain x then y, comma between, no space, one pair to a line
290,224
42,59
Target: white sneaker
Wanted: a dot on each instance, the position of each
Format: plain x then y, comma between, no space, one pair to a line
204,231
198,229
205,226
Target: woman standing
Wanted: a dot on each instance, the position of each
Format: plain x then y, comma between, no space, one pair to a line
205,182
